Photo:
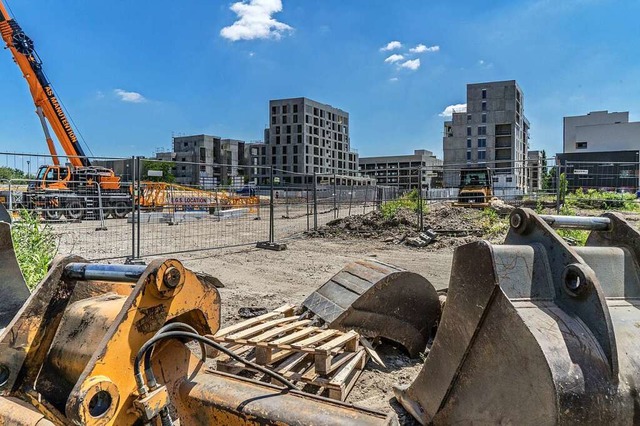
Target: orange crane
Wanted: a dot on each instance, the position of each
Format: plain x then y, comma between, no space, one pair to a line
71,189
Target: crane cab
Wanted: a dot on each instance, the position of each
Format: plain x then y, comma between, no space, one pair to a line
51,177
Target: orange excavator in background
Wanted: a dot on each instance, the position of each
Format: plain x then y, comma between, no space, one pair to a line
71,189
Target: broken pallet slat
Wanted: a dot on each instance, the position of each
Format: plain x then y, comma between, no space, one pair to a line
286,310
314,339
277,331
326,359
256,329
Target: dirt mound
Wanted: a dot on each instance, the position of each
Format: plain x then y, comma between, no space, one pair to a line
452,226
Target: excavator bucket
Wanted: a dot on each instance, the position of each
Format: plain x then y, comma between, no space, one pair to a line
13,289
379,300
537,332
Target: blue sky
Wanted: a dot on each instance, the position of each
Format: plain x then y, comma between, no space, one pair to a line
132,73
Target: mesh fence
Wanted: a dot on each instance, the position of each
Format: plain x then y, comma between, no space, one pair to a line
136,207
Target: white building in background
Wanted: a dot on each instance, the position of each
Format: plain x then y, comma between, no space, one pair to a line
600,131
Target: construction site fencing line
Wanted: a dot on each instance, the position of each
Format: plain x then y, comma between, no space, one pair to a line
158,210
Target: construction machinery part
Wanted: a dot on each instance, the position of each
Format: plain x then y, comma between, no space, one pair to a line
536,331
379,300
13,289
73,355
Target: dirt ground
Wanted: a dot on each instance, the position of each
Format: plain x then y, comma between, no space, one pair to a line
269,279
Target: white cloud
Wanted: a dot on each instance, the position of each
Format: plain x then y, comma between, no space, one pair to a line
421,48
448,111
392,45
394,79
133,97
412,65
255,21
484,64
394,58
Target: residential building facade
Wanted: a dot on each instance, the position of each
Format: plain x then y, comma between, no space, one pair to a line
208,161
535,168
601,150
404,171
492,132
305,137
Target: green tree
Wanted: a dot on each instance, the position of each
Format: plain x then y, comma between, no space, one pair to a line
165,167
10,173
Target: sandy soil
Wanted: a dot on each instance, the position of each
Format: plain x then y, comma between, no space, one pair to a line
257,278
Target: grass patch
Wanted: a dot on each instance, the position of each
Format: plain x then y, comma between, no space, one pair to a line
409,201
35,246
594,199
492,224
574,236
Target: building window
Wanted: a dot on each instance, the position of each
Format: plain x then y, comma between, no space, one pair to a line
484,93
284,109
484,118
299,128
468,118
274,110
482,155
482,143
288,138
295,118
581,145
273,119
295,149
509,179
482,130
484,106
277,130
277,140
468,131
295,109
468,155
468,143
289,129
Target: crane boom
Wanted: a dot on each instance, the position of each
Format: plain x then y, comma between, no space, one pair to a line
47,105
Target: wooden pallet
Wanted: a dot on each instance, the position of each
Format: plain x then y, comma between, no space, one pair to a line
330,360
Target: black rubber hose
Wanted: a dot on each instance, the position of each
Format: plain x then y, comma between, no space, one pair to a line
148,371
193,336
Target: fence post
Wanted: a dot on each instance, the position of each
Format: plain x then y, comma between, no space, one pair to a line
11,196
307,193
558,172
350,198
315,202
102,226
139,178
421,216
366,193
335,194
134,200
271,218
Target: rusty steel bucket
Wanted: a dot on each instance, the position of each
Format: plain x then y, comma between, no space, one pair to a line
13,289
536,331
379,300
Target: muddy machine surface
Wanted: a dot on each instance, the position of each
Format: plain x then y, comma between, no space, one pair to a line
105,344
537,332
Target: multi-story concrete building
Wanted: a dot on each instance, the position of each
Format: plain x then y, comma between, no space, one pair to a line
492,132
601,150
208,161
403,171
305,137
535,170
